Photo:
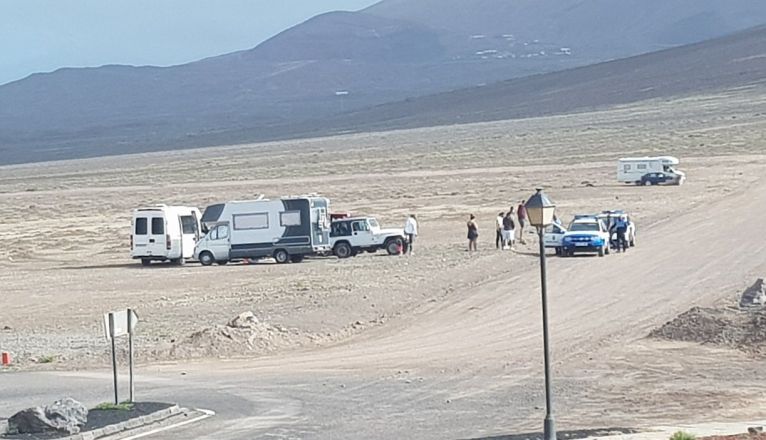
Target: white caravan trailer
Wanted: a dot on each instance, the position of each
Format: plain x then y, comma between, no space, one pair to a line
649,170
164,233
287,229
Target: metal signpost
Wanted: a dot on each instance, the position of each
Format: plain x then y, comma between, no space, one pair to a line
118,324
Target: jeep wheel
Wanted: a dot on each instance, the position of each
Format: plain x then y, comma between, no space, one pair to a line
393,246
206,258
281,256
342,250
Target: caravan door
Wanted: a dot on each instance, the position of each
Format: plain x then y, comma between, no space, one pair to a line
157,240
189,234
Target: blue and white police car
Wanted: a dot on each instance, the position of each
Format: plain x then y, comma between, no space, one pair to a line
586,234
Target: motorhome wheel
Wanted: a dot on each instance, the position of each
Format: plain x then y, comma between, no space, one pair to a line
281,256
206,258
296,258
146,262
179,261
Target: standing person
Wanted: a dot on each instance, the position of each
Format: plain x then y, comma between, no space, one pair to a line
621,226
411,231
509,234
473,234
521,214
499,230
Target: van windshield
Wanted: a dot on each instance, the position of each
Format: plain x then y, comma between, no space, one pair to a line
582,227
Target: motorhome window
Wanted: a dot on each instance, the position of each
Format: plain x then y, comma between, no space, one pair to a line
188,225
158,226
251,221
641,166
141,226
212,213
627,168
290,218
221,232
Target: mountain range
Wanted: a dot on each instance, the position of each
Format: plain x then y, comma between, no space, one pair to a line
340,67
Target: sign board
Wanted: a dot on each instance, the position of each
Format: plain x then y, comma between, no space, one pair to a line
120,323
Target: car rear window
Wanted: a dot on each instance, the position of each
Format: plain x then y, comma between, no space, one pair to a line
584,227
141,226
158,226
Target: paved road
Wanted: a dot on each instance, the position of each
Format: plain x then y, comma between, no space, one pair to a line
464,368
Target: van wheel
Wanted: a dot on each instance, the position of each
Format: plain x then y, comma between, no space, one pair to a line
146,262
206,258
393,246
179,261
281,256
296,258
342,250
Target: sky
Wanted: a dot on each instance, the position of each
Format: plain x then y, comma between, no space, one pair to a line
44,35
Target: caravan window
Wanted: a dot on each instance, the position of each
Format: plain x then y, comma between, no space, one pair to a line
251,221
141,226
188,225
290,218
627,167
158,226
641,166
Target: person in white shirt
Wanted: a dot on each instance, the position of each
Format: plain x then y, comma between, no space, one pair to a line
411,231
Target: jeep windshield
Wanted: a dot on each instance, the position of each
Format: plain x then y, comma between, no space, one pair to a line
584,227
373,223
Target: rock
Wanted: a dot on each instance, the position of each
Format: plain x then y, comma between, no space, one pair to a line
755,295
244,320
63,416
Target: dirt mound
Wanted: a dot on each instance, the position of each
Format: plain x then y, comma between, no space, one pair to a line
729,327
243,335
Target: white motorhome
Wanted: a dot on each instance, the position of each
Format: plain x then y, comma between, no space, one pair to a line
164,233
286,229
650,170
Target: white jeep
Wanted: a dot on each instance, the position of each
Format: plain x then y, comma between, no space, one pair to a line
349,236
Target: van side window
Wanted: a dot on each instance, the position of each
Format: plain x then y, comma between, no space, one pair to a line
290,218
220,233
188,225
158,226
141,226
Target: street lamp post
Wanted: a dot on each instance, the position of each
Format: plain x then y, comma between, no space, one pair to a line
540,211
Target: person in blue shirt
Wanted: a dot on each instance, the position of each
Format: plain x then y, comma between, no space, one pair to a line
621,228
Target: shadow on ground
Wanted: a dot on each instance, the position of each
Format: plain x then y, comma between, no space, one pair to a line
562,435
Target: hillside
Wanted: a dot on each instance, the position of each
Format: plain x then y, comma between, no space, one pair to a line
715,65
395,50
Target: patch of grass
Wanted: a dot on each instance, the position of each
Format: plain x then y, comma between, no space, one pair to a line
108,406
46,359
680,435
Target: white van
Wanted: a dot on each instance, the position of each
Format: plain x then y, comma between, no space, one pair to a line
286,229
164,233
650,170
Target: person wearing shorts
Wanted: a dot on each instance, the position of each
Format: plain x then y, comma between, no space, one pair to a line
473,234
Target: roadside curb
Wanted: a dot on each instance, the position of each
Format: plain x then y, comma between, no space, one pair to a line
117,428
699,430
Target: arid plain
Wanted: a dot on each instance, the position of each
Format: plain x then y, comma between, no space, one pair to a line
466,325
